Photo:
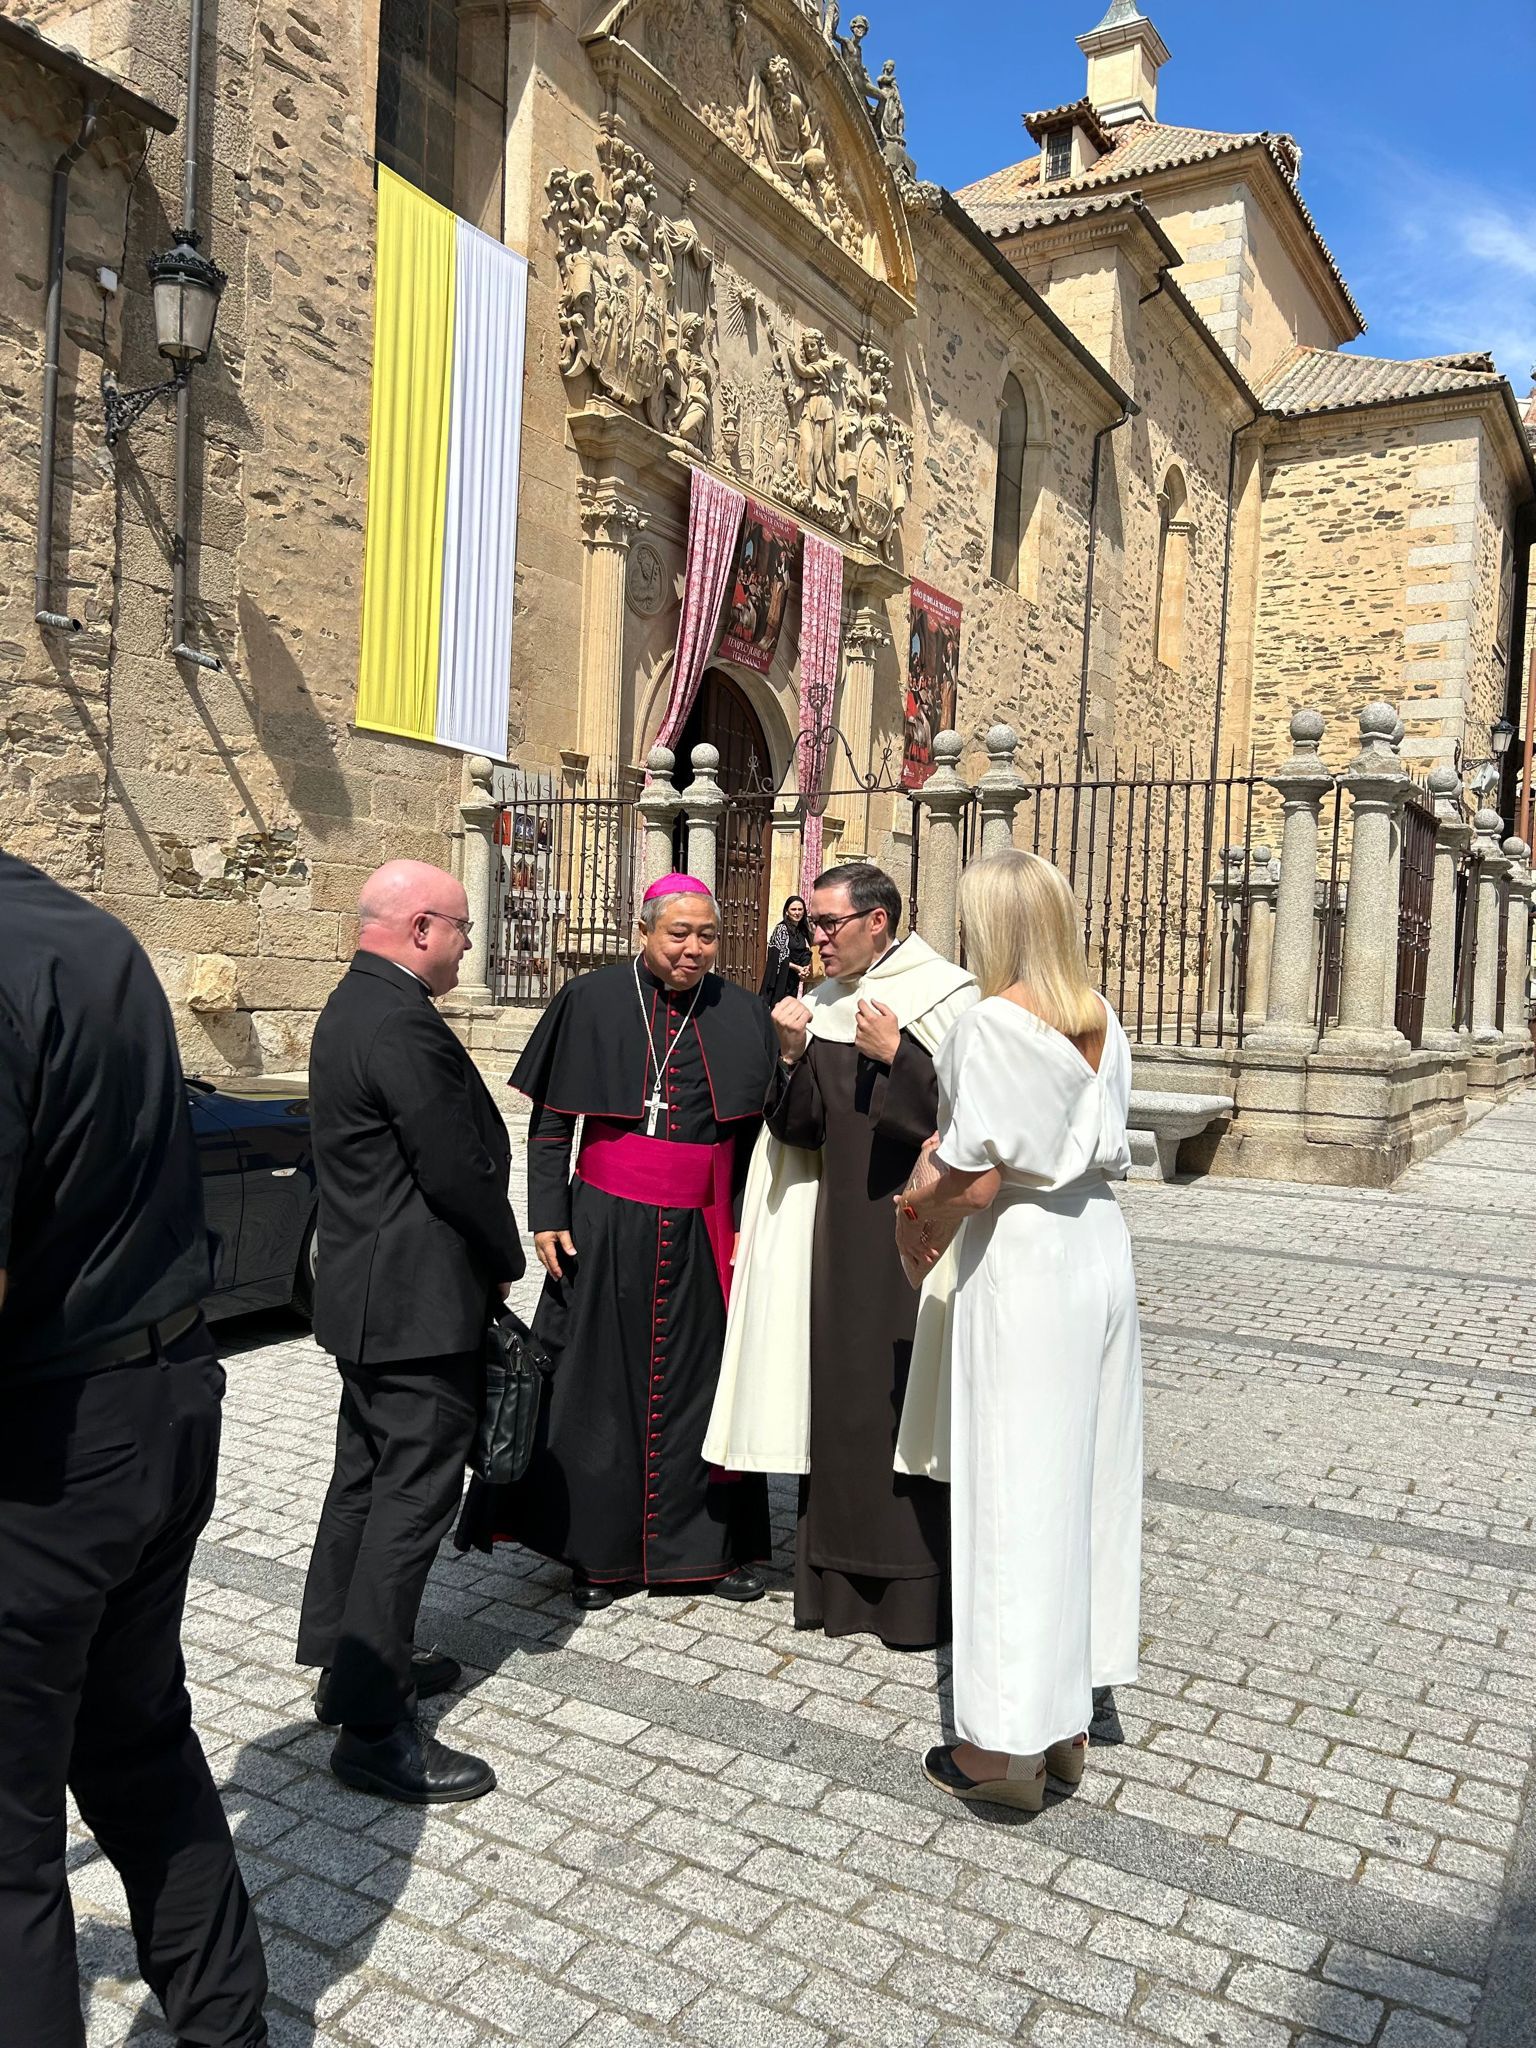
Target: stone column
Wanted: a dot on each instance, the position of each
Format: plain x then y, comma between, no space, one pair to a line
1492,867
479,877
609,521
659,806
1395,858
703,805
1225,934
1000,791
1378,788
863,636
1453,835
1289,1023
1516,1019
1516,986
944,796
1263,889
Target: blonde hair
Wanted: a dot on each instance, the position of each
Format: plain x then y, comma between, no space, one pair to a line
1021,926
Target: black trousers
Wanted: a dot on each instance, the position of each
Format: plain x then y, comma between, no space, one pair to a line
402,1437
105,1483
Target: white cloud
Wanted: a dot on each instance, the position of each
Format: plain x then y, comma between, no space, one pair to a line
1451,265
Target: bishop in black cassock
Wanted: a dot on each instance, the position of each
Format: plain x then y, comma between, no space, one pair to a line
669,1066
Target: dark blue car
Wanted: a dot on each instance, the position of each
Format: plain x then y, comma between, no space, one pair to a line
259,1195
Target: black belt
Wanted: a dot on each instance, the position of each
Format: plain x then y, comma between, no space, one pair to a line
135,1344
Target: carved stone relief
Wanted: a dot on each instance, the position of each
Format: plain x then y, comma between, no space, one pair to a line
645,585
746,89
637,313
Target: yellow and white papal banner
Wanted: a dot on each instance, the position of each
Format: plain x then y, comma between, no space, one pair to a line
450,317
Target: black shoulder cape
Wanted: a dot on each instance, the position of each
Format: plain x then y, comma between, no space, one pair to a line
588,1054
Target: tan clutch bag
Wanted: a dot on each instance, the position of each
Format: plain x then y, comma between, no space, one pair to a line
938,1235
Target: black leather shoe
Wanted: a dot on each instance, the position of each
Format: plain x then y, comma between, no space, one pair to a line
741,1584
432,1672
411,1767
589,1597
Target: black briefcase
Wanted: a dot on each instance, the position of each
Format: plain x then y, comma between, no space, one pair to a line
516,1365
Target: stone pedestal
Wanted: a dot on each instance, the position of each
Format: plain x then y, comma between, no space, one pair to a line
945,797
659,807
1289,1022
1000,790
1378,788
1263,890
1517,1014
1492,868
703,805
1453,835
478,874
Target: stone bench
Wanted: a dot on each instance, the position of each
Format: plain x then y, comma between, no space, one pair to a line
1158,1124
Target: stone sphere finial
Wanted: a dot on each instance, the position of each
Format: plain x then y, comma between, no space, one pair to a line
1001,741
1488,824
1234,855
1378,722
1399,731
661,760
1307,729
705,759
1517,850
1444,781
481,769
947,748
1262,856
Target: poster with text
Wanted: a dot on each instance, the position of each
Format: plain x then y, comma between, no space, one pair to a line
933,680
760,587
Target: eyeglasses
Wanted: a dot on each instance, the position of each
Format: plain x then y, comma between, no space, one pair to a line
829,927
463,925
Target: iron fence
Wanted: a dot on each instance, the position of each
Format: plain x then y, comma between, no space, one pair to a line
565,882
1415,896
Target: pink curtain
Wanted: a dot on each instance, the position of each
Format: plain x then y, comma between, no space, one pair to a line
714,521
821,636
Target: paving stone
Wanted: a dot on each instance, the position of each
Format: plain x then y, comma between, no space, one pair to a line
1057,1971
1348,2014
394,2019
1102,1885
706,1895
966,1936
1251,1934
1207,2022
758,1970
723,2021
522,2006
1159,1953
861,2015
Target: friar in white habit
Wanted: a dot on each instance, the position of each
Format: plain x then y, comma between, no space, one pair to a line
827,1348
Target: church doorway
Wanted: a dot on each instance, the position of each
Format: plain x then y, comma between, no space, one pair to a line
722,717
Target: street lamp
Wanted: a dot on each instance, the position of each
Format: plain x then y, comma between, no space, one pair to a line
1502,736
185,286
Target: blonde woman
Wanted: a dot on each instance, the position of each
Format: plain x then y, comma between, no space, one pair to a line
1045,1454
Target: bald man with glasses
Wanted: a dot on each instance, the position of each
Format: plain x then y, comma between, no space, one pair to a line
417,1245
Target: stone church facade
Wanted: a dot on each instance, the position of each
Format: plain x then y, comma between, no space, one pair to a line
1097,398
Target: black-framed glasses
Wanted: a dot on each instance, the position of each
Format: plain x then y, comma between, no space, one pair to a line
829,927
463,925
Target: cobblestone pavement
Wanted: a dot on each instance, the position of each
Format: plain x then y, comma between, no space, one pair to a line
710,1829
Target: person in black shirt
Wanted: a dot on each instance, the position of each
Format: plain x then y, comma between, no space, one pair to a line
109,1438
417,1243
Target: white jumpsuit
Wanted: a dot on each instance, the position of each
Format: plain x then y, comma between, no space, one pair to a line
1046,1381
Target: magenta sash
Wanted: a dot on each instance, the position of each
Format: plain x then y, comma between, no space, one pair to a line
618,1161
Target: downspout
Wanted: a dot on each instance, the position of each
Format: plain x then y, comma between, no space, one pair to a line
1525,535
179,647
1129,413
1226,594
53,323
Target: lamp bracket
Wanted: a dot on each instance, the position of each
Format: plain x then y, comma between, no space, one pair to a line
121,408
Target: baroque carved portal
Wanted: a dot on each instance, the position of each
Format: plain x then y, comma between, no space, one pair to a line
817,433
637,310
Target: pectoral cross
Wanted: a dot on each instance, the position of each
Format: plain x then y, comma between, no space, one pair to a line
654,1106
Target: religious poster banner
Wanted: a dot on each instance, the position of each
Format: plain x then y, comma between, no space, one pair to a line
714,521
765,558
933,679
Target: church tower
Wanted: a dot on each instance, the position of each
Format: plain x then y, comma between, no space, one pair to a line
1125,54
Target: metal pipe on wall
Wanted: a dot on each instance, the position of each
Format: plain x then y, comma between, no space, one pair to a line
53,326
1130,412
189,178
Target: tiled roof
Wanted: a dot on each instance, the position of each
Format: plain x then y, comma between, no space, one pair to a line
1140,149
1312,380
1004,216
1076,114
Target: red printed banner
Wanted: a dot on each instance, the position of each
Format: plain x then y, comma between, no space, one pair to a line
933,680
765,561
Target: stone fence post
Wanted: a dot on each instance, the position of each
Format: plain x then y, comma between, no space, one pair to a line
1378,787
944,796
703,805
1263,889
1492,867
659,805
478,812
1222,961
1289,1023
1453,835
1516,1019
1000,791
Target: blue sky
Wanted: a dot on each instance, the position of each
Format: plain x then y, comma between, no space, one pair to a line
1413,119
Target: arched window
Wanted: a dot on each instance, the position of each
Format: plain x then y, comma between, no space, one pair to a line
1176,531
1009,517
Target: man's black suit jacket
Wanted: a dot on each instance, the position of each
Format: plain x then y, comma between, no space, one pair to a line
412,1159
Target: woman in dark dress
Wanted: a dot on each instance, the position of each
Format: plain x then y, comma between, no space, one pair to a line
789,954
